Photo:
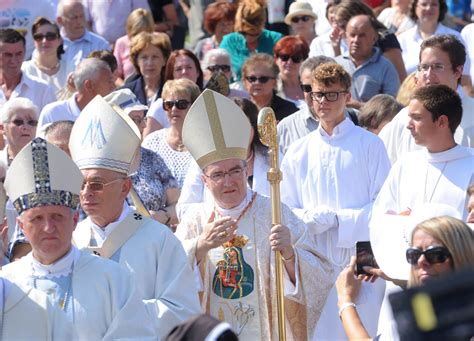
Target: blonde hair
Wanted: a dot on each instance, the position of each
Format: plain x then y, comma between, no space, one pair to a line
181,86
144,39
140,20
453,234
407,88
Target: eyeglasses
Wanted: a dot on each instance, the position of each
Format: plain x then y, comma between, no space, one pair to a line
433,254
180,104
331,96
303,18
286,57
19,123
261,80
436,67
219,67
219,177
50,36
96,186
306,88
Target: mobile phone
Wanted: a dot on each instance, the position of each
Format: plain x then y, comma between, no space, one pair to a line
364,257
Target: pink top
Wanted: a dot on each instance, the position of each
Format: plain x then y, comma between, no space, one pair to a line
122,54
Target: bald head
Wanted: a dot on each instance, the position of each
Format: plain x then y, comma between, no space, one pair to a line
71,16
361,35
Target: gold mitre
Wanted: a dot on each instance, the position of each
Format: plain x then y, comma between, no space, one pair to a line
43,175
216,129
105,137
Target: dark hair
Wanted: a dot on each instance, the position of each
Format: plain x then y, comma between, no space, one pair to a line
448,44
348,9
218,11
332,73
105,56
41,21
443,9
291,45
251,111
169,70
381,107
441,100
11,36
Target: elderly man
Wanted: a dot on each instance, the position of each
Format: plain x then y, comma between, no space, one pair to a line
91,78
442,60
230,239
97,296
371,72
78,41
58,133
14,82
105,144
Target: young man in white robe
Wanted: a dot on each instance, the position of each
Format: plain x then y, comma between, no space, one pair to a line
96,295
331,178
230,241
442,61
105,144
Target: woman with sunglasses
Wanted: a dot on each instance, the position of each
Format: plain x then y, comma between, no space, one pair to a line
178,96
46,62
259,74
289,53
439,246
301,19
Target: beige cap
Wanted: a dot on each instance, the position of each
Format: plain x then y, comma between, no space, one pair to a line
299,9
104,136
43,175
126,100
216,129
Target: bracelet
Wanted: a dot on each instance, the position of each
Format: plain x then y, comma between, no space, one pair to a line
344,306
288,259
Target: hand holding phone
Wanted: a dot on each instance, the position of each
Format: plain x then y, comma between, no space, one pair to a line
365,257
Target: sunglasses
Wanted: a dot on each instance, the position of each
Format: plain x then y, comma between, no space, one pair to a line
261,80
19,123
306,88
434,255
286,57
98,186
180,104
303,18
50,36
331,96
219,67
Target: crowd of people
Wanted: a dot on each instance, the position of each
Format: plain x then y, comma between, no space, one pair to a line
135,202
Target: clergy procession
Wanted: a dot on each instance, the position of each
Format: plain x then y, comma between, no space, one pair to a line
236,170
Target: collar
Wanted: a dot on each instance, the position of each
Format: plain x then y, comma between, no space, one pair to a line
104,232
87,37
340,130
235,211
72,103
307,114
455,153
376,53
61,267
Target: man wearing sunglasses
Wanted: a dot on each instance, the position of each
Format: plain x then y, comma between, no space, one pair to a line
14,82
105,144
331,178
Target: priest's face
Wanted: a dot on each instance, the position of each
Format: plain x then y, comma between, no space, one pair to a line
49,230
330,111
103,194
421,125
227,181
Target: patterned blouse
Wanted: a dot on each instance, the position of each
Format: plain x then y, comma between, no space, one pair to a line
177,162
152,180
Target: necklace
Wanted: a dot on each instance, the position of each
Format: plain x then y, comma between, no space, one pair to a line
46,68
436,183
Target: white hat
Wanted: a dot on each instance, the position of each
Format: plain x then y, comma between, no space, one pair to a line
126,100
216,129
299,9
43,175
390,236
104,136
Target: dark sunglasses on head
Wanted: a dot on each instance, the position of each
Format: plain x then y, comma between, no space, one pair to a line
304,18
180,104
434,255
19,123
286,57
261,80
50,36
219,67
306,88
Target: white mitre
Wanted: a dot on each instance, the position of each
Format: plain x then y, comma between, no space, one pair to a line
105,137
43,175
216,129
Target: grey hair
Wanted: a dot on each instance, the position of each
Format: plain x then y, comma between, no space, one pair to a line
15,104
214,53
61,4
313,62
88,69
58,127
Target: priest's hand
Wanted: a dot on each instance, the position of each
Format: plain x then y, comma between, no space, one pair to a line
215,233
280,240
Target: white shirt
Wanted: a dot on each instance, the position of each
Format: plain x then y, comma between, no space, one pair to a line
467,34
67,110
57,81
322,46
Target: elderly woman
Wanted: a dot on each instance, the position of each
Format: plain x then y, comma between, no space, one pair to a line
46,63
140,20
301,19
250,36
178,96
149,53
259,74
218,21
289,53
439,246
